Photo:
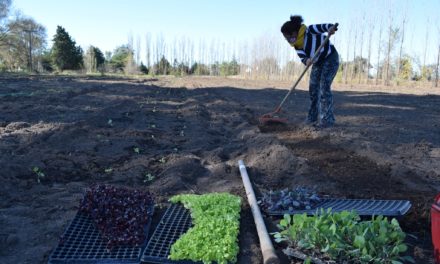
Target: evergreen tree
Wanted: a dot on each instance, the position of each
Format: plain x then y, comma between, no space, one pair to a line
65,54
143,68
120,58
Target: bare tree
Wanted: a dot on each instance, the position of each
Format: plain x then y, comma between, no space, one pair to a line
425,50
346,68
437,67
353,72
370,37
379,49
138,50
148,50
361,63
388,55
402,38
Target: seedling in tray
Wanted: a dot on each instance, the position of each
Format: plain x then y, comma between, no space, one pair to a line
289,200
120,214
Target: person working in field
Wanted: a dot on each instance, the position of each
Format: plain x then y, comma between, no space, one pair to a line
305,40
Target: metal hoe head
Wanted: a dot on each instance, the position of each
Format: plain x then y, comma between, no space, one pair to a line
272,118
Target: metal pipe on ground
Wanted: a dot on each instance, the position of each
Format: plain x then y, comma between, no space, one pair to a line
269,256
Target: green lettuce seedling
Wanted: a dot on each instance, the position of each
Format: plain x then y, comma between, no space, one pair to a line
214,236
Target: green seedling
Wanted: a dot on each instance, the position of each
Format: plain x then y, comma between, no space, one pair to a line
39,173
154,110
214,237
137,150
343,238
162,160
148,177
110,122
175,149
109,170
152,136
152,126
182,133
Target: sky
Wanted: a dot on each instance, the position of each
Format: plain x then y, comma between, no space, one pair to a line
107,24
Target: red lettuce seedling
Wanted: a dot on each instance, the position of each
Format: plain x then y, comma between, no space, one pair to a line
120,214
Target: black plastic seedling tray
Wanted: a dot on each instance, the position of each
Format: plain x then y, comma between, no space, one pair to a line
363,207
175,222
82,243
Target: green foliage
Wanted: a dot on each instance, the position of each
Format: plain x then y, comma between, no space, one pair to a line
65,55
22,40
214,237
94,59
143,68
229,68
199,69
39,173
163,67
405,68
120,58
148,177
46,61
180,69
342,237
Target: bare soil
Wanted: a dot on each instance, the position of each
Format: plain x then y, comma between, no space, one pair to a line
189,133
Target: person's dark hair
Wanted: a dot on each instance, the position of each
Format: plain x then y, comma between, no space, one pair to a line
293,25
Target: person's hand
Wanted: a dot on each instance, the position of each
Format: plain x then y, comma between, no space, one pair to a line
332,30
309,62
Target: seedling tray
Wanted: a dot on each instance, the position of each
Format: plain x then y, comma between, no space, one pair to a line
175,222
82,243
363,207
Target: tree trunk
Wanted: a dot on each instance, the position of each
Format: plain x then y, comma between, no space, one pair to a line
361,66
378,52
367,76
148,51
346,68
437,67
401,46
426,50
388,57
353,73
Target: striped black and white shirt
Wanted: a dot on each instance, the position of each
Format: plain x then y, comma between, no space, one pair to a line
313,37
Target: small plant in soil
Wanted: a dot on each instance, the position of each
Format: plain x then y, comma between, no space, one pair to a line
286,200
343,238
110,122
120,214
214,236
108,170
148,177
162,160
40,174
136,150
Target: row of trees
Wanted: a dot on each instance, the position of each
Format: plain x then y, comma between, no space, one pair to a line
373,54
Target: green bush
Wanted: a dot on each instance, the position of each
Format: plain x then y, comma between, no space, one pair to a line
214,236
343,237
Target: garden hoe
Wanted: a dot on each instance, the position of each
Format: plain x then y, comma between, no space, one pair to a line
274,117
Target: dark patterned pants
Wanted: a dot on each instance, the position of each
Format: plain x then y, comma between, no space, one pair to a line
321,98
